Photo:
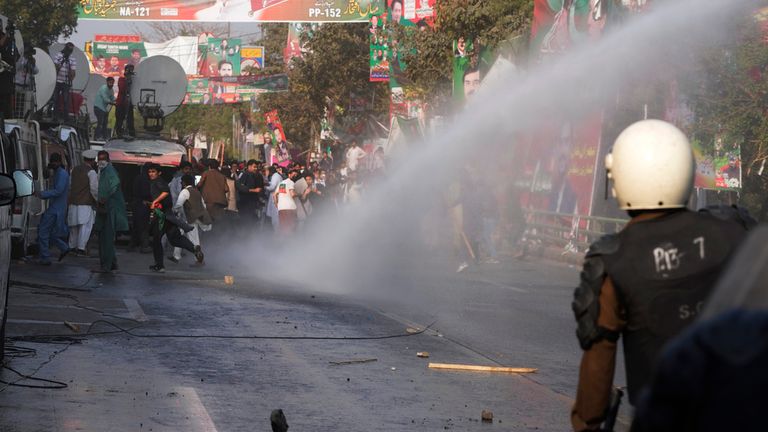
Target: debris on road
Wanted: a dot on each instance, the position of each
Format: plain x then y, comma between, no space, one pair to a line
72,326
422,354
412,330
349,362
480,368
229,280
278,421
487,416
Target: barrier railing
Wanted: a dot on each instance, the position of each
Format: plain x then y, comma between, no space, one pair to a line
572,233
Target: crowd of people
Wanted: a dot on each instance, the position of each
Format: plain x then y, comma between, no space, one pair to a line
170,217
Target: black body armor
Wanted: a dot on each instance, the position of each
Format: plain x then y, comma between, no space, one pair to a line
663,270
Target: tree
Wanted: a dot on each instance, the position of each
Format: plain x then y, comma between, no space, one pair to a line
41,22
729,96
163,31
336,66
428,53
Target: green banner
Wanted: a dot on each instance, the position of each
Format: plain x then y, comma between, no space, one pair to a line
109,58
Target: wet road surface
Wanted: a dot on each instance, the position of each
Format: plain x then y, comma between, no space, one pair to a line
207,356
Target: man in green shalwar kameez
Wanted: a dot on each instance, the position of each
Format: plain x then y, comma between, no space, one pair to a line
111,215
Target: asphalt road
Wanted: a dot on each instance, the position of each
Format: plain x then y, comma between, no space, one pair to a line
192,375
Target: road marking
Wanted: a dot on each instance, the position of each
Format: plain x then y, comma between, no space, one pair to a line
135,310
197,410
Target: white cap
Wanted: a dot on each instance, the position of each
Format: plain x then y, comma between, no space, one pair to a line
90,154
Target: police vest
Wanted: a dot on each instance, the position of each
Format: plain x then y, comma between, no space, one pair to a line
663,271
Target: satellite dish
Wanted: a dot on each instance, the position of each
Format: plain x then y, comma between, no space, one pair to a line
160,80
81,64
45,80
90,92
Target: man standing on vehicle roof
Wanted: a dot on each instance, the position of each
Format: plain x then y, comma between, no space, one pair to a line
124,104
83,192
53,224
66,69
111,216
104,98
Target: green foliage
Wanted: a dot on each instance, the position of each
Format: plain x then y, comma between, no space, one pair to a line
215,122
41,22
729,95
337,65
488,23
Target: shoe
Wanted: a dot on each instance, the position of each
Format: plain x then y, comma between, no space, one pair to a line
199,255
492,261
64,254
173,260
101,271
463,266
157,268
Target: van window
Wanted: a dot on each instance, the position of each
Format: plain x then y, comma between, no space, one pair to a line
31,156
9,153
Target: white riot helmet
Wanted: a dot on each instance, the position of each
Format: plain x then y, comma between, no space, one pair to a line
652,167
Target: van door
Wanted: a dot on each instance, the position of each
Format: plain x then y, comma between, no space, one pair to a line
5,245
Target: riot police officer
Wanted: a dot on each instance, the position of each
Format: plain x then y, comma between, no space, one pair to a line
649,281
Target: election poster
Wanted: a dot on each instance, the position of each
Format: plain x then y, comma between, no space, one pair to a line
278,147
251,60
219,57
110,58
225,90
718,167
226,11
379,49
299,35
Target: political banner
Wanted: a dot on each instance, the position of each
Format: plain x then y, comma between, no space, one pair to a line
379,49
718,168
299,35
251,60
419,13
109,59
226,11
219,57
279,147
225,90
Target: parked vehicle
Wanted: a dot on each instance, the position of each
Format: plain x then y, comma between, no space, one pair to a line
31,146
129,155
17,185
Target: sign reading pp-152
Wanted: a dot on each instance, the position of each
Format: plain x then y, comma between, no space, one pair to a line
232,10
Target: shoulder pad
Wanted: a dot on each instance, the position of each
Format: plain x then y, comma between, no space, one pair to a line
586,301
732,213
605,245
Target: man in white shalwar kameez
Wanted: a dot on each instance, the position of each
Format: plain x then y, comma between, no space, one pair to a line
83,193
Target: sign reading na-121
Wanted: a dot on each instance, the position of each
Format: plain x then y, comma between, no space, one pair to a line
232,10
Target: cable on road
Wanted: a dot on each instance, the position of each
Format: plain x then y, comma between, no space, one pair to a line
130,331
54,385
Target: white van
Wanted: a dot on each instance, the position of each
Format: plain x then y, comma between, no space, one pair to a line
31,147
12,187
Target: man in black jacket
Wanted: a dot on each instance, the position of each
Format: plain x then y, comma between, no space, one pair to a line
250,185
